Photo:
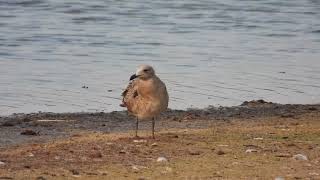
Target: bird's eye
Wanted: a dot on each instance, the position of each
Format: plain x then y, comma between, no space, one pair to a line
146,70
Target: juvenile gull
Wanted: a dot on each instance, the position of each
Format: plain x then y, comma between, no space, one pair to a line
146,96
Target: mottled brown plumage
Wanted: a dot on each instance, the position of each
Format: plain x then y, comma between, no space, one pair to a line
146,95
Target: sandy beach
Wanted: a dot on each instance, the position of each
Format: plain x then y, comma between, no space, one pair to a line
257,139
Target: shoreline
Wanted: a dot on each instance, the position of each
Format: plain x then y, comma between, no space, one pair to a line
241,142
45,126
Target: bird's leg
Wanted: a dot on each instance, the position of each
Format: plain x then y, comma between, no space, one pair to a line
137,125
153,122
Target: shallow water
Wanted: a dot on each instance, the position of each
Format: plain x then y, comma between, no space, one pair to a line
218,52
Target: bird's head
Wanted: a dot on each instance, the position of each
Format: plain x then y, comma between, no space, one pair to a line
143,72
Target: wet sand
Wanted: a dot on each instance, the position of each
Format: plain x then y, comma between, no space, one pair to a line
96,145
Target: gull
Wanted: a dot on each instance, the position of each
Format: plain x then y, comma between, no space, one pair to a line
146,96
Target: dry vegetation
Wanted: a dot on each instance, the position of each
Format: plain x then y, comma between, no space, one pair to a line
217,152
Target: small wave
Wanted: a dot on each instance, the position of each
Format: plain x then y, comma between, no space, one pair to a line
23,2
92,19
316,31
280,35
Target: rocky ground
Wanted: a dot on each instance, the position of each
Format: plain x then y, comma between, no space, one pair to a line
256,140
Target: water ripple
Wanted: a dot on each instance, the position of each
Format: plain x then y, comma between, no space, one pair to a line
207,52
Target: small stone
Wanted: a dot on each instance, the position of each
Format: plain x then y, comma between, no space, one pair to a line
91,174
314,174
2,163
30,155
139,141
135,168
154,144
103,173
283,155
279,178
175,136
251,150
307,165
162,159
194,152
57,157
300,157
258,138
96,155
220,152
312,109
75,172
223,145
235,163
40,178
29,132
122,152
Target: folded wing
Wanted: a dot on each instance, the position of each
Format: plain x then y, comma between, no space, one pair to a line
129,95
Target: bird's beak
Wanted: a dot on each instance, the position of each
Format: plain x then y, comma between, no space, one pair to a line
133,77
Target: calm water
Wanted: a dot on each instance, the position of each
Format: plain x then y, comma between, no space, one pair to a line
208,52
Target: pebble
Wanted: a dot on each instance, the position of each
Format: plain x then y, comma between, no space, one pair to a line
29,132
223,145
258,138
135,168
220,152
162,159
96,155
194,152
300,157
283,155
75,172
234,163
103,173
2,163
279,178
40,178
139,141
251,150
30,155
154,144
314,174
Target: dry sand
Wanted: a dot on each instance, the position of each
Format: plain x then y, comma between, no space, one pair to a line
257,140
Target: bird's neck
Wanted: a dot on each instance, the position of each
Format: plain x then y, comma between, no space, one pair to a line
148,87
